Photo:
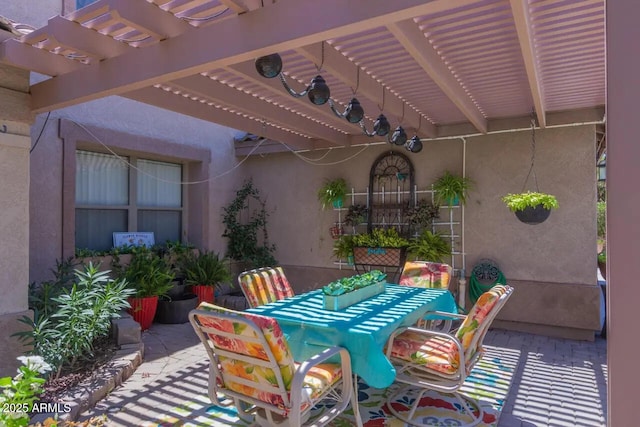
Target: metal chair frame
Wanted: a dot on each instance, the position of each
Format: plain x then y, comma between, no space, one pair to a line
424,378
250,409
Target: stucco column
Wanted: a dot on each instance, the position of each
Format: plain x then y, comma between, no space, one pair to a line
623,207
15,142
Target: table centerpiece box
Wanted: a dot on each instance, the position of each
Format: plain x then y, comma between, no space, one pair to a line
348,291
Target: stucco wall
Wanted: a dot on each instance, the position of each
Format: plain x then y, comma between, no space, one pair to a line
553,264
497,164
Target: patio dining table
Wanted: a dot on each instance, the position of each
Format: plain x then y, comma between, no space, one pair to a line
363,328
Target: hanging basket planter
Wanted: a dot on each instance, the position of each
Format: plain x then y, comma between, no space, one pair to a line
533,215
531,208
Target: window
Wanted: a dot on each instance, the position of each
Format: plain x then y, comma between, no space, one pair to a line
111,196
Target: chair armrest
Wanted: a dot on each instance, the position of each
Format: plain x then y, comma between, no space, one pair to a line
441,314
324,356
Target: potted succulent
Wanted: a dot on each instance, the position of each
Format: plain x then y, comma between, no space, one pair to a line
347,291
531,207
428,246
451,189
332,193
204,272
150,277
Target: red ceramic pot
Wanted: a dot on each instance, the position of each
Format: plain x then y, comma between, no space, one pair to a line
143,310
204,293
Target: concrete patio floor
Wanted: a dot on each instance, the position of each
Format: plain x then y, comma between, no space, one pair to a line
556,382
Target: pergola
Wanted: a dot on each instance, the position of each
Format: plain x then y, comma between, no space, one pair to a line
438,68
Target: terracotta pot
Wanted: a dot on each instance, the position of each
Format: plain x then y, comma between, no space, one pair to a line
143,310
204,293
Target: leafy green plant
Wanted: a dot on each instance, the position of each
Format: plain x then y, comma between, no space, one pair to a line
148,274
602,256
449,186
206,269
248,240
521,201
83,314
429,246
332,191
350,284
18,394
343,246
356,215
422,214
601,220
380,238
41,295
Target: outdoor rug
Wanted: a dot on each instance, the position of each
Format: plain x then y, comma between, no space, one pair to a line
489,384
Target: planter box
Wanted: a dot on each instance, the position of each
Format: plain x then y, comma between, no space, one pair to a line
330,302
392,257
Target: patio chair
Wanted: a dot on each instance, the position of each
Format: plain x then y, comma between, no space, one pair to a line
264,285
432,360
251,365
426,274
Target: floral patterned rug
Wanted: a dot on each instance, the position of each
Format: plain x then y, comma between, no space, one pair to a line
489,384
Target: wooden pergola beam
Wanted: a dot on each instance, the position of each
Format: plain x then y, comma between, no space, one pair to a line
522,20
408,33
191,52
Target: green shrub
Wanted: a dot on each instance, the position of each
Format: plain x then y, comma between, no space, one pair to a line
206,269
83,314
429,246
380,238
602,220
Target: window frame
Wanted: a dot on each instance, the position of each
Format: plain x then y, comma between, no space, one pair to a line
132,207
195,162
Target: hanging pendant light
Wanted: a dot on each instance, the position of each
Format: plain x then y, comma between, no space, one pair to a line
414,145
319,92
354,112
269,66
381,126
399,136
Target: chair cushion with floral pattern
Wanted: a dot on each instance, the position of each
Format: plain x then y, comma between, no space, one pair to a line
422,274
316,381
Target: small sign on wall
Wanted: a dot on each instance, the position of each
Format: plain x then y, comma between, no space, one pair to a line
133,239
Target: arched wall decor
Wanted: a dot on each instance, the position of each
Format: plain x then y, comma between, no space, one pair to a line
391,192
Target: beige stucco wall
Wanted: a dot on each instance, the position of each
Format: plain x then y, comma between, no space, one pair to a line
15,119
553,264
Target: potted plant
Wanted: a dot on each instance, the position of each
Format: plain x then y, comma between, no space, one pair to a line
380,247
451,189
347,291
150,276
356,215
422,214
343,248
204,272
428,246
332,193
531,207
